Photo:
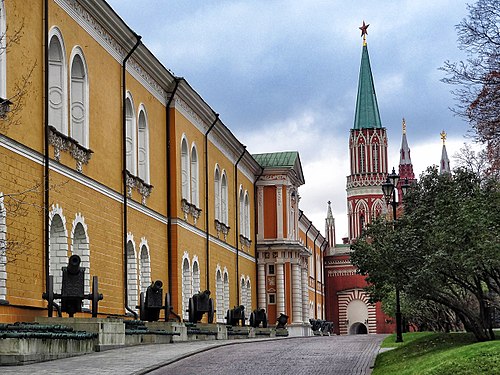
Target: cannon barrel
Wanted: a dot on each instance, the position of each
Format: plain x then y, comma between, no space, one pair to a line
74,264
156,286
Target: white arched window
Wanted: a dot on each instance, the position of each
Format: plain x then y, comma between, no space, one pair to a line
3,52
131,140
79,107
3,248
132,284
243,293
57,83
80,245
226,290
143,144
194,177
196,276
248,306
217,196
185,169
186,286
58,246
247,216
223,199
219,297
144,268
242,212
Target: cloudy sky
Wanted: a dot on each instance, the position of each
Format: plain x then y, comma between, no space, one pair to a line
283,75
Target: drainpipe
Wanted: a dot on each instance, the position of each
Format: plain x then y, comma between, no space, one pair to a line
315,280
322,277
46,147
256,226
237,226
124,164
169,193
206,201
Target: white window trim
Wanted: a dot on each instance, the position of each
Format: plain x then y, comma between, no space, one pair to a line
78,51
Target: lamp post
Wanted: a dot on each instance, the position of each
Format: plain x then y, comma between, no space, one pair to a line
389,189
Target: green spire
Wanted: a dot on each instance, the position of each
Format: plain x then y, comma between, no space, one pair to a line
367,114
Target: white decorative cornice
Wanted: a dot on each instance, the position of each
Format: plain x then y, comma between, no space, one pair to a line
111,45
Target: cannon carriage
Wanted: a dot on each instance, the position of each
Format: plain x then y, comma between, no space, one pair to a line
72,290
257,317
235,315
200,304
151,303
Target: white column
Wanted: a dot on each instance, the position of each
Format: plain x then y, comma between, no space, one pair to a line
260,212
261,274
296,293
280,288
305,294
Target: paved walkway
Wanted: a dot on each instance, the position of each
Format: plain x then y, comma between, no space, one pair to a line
142,359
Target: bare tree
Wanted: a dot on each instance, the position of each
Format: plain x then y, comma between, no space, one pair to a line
478,78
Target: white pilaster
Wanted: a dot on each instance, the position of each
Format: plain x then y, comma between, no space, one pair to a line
261,274
260,212
279,211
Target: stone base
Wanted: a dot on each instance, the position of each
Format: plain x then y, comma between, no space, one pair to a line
110,331
204,331
262,333
299,330
177,330
238,332
23,351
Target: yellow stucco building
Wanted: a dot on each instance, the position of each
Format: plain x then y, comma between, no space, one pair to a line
106,154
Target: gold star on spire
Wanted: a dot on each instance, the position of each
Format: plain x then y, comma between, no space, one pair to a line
364,32
443,136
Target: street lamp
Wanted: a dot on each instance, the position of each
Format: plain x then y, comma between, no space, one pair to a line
389,189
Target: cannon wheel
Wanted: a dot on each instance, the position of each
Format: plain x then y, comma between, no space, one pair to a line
252,319
264,321
96,297
191,311
167,306
210,311
49,296
242,318
229,317
142,306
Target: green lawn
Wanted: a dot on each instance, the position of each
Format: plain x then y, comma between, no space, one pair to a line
429,353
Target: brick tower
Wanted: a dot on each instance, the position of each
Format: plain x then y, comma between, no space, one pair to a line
348,304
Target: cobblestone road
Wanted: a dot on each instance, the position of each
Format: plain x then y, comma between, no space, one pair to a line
313,355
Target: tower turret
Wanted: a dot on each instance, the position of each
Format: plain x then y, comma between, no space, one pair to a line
406,173
330,226
368,152
444,164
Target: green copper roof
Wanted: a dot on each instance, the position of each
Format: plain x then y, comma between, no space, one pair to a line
277,159
282,160
367,114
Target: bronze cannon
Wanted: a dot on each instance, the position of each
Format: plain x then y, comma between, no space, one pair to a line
72,290
236,314
281,321
258,316
200,304
151,303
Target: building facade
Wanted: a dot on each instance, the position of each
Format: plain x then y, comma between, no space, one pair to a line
108,155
